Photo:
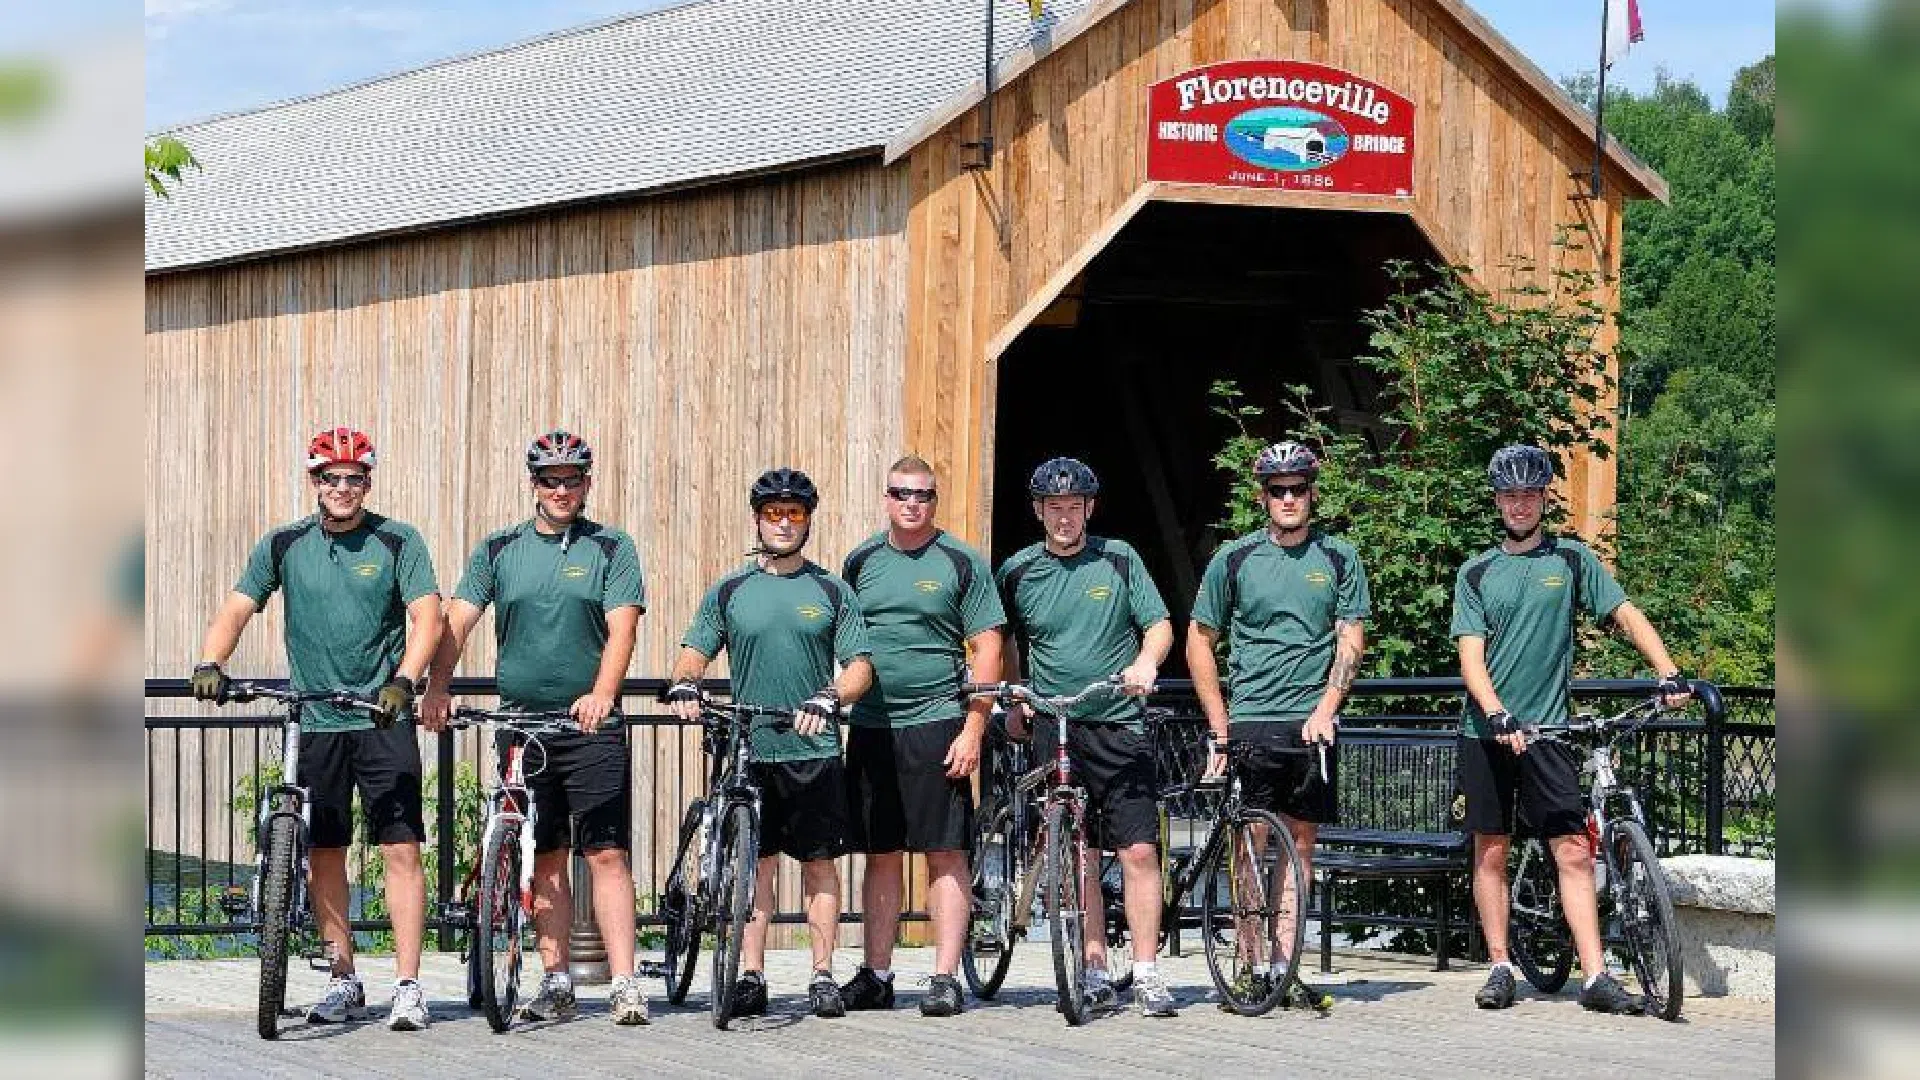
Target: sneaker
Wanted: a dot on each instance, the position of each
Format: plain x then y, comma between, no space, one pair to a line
824,993
944,997
409,1011
1099,993
555,1000
1150,993
1606,995
627,1003
1301,996
750,995
1498,992
345,999
1250,986
867,991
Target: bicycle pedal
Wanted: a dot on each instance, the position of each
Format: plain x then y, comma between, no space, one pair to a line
456,916
320,957
986,947
236,903
650,969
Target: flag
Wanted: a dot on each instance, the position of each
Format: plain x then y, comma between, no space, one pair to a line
1623,28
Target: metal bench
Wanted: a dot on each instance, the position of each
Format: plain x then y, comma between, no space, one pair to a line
1396,797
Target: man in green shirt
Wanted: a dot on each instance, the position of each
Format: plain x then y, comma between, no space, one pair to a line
1293,603
362,615
929,603
1515,606
567,598
1082,608
786,625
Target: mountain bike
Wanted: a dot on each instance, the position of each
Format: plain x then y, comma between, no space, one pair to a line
1253,897
1636,909
278,904
499,886
1058,866
709,891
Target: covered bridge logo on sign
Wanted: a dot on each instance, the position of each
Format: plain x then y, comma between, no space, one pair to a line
1280,124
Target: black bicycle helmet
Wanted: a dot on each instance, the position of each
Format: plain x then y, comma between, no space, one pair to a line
784,483
1286,459
1063,476
1520,468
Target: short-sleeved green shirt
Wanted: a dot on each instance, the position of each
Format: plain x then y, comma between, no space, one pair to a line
783,635
1278,606
1080,619
346,597
921,607
1524,606
551,595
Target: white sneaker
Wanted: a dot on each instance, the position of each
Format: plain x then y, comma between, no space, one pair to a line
627,1003
345,999
554,1001
409,1012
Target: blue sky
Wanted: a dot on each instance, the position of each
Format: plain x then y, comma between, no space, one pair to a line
212,56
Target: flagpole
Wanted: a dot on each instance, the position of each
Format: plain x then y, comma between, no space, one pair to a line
985,143
1600,107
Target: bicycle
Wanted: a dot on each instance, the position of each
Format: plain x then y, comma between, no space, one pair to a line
1253,895
1636,909
1059,867
710,888
499,886
278,904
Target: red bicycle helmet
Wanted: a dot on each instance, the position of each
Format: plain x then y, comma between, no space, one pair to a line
340,446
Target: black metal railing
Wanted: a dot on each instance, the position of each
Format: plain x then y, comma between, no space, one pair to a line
1708,784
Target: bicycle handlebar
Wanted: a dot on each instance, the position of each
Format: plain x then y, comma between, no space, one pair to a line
241,693
1025,694
549,722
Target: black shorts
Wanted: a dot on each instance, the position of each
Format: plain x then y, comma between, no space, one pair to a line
1115,764
898,791
384,765
1546,779
1285,783
803,809
581,776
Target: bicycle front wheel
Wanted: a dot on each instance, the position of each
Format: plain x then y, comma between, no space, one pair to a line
1253,895
276,919
681,908
1066,915
739,854
988,951
1646,917
498,918
1538,935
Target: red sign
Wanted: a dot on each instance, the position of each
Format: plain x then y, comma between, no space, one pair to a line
1280,124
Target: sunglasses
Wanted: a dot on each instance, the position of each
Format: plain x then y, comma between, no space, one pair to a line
906,494
553,482
1283,491
773,514
355,481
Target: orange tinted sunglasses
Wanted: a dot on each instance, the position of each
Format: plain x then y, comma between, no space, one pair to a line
773,513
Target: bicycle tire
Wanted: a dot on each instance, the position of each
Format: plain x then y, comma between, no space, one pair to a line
986,974
476,995
1646,916
276,920
1231,901
1537,932
1066,921
739,854
497,924
682,909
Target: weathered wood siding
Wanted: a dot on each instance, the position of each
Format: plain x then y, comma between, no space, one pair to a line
1494,180
695,340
